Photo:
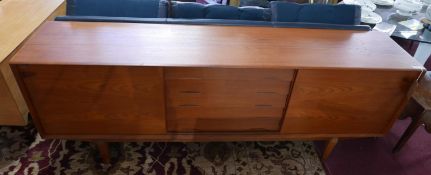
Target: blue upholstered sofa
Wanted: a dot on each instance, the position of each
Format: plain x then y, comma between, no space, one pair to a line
280,14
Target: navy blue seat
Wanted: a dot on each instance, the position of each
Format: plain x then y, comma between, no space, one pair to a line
219,22
190,10
316,13
255,13
281,14
117,8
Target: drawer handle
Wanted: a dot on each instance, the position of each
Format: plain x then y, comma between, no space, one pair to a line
258,129
190,92
270,78
189,105
265,92
186,78
263,105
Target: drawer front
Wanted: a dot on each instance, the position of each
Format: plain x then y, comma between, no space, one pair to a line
227,93
204,99
210,86
191,112
229,74
224,124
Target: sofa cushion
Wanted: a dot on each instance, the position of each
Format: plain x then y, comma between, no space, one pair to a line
219,22
259,3
255,13
188,10
191,10
114,8
315,13
221,12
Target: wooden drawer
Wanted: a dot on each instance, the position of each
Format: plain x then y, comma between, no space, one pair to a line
206,86
197,118
224,124
229,74
229,100
200,99
191,112
227,93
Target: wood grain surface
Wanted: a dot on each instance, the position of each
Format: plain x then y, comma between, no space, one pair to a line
217,99
9,112
208,83
83,43
18,20
95,99
346,101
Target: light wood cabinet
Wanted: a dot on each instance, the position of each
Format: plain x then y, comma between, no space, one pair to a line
18,20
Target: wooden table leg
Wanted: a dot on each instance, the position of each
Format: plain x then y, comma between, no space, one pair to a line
330,145
103,148
416,122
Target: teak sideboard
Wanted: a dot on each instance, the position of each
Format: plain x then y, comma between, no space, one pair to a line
159,82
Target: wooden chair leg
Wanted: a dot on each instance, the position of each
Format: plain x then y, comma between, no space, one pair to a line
412,109
330,145
103,148
416,122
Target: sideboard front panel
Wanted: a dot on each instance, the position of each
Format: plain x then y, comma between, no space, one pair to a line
346,101
95,100
215,99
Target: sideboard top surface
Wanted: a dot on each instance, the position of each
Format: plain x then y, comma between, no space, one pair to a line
84,43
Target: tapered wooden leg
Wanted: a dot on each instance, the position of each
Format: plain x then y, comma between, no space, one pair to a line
103,148
416,122
412,109
330,145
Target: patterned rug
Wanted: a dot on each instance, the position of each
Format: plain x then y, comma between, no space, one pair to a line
22,151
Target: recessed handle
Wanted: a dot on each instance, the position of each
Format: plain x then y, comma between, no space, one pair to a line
263,105
265,92
189,105
190,92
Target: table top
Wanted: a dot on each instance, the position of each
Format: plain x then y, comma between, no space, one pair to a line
390,16
129,44
19,18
